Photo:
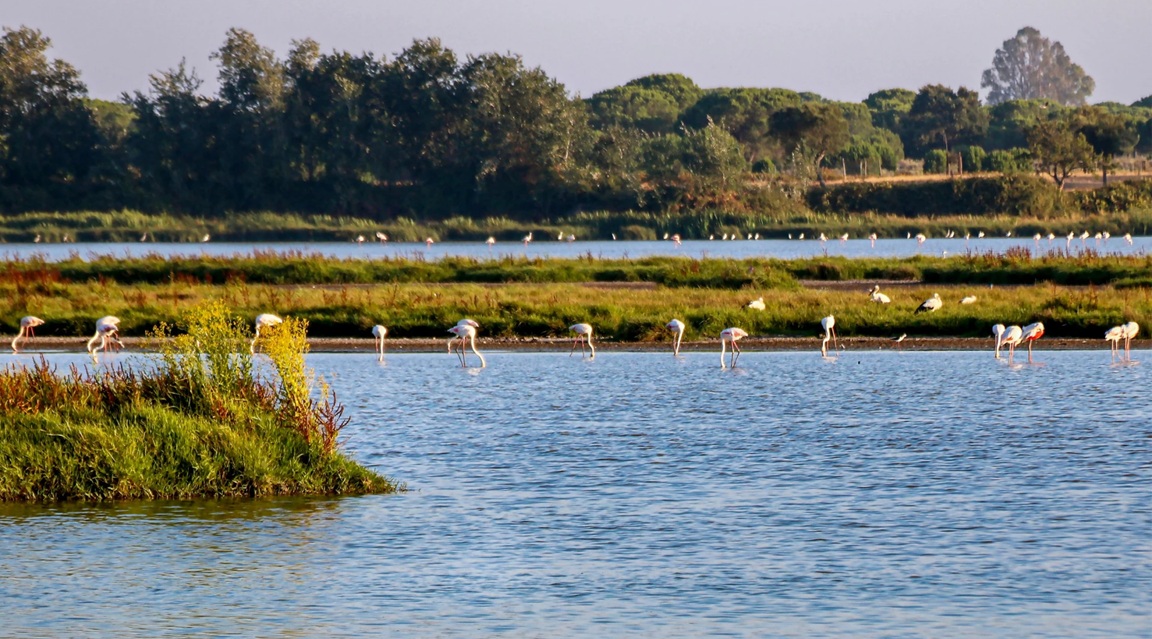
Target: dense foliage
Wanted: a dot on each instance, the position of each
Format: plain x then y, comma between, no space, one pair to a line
428,136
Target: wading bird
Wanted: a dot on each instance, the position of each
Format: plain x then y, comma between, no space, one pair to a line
900,340
1114,335
998,333
583,334
1009,337
527,238
265,321
829,326
490,241
931,304
757,304
378,334
1032,332
28,325
876,296
731,336
383,239
107,330
677,327
1130,330
464,322
968,299
464,332
872,238
428,242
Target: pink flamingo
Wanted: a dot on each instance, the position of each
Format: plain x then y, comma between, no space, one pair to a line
677,327
27,325
463,332
731,335
583,334
829,326
1031,333
378,333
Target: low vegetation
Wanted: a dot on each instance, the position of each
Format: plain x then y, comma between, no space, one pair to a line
202,421
627,300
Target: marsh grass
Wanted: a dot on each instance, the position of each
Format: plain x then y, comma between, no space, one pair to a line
196,422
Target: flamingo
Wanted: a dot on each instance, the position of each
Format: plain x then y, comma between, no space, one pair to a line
931,304
998,333
528,238
676,326
876,296
844,237
464,331
731,335
1010,337
823,238
206,238
872,238
464,322
378,333
757,304
490,241
920,238
980,235
676,239
1032,332
107,329
428,242
1114,335
383,239
1130,330
583,334
968,299
27,325
1128,238
359,239
829,326
263,320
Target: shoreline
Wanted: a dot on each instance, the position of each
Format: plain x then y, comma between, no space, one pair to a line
563,344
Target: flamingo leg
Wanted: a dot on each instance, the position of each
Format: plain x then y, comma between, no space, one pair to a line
573,351
735,352
835,339
723,342
1029,351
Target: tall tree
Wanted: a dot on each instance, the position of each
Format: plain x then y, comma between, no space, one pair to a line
1030,67
1059,148
942,116
1109,134
47,134
819,129
889,107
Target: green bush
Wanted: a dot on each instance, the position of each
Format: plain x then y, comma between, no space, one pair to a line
935,161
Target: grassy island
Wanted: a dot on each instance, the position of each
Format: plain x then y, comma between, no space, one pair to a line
201,420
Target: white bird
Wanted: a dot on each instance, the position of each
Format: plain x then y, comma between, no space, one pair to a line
528,238
980,235
378,333
1031,333
490,241
823,238
872,238
263,321
676,239
900,340
968,299
801,236
1130,330
757,304
359,239
429,242
471,323
28,324
1128,238
463,332
1009,337
107,330
731,336
1036,238
583,334
560,236
571,238
998,333
931,304
677,327
1114,335
206,238
381,237
876,296
844,237
920,237
829,326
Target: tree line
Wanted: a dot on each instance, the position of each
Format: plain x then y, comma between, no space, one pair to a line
429,135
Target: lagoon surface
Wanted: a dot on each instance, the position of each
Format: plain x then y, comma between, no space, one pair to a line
880,494
783,249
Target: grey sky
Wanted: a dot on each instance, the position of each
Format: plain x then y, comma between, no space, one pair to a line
841,49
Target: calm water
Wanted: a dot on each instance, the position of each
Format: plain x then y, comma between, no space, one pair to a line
598,249
883,494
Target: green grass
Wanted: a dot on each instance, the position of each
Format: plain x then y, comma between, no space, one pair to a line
198,423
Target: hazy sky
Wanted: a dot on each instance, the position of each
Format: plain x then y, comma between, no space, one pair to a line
841,49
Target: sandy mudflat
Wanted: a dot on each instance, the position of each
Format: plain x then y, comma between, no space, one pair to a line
353,345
